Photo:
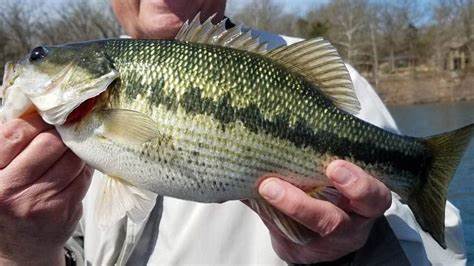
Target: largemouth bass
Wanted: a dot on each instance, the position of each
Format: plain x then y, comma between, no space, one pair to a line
204,116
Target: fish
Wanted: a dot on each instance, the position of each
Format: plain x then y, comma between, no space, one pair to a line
206,116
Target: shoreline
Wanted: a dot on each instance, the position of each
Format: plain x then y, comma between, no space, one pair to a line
441,102
426,87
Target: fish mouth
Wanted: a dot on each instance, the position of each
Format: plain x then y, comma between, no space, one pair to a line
55,108
16,102
13,102
8,78
51,100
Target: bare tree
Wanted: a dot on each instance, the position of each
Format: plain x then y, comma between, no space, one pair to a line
265,15
312,25
443,30
348,25
85,20
375,53
18,20
463,15
396,17
465,10
27,23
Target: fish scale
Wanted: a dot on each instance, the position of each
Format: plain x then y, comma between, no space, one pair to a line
206,116
184,86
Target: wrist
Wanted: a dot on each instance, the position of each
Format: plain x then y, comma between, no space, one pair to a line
54,258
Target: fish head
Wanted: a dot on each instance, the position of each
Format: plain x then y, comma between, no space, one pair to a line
55,80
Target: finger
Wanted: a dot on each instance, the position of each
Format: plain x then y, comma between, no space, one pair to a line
367,196
16,135
71,198
35,159
320,216
345,241
63,172
77,189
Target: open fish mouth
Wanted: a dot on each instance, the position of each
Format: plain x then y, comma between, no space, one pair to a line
55,103
8,74
49,99
14,103
17,101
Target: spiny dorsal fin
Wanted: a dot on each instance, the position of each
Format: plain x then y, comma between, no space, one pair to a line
318,61
217,34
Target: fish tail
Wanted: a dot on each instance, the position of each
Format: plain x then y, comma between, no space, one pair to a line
429,202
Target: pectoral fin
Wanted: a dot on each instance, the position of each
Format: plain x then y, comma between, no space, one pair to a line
119,199
127,126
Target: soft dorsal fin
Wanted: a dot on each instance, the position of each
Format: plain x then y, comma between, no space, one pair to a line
319,62
217,34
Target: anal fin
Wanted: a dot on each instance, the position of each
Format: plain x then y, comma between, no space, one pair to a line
119,199
291,229
325,193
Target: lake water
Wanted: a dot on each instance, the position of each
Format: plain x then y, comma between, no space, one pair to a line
429,119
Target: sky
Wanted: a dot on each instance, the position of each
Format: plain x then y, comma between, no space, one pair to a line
299,6
292,6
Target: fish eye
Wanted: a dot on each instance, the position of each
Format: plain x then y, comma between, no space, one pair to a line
38,53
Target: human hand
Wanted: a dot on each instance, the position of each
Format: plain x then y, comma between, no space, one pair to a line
339,228
42,184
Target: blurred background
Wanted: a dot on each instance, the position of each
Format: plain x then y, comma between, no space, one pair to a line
418,54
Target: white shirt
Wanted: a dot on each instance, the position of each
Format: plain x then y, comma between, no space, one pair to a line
191,233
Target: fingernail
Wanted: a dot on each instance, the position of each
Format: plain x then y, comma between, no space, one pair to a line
271,190
342,175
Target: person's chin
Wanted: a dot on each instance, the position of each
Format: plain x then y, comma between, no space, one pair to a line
180,8
162,26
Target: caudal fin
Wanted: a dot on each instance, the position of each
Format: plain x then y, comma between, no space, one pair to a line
428,204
